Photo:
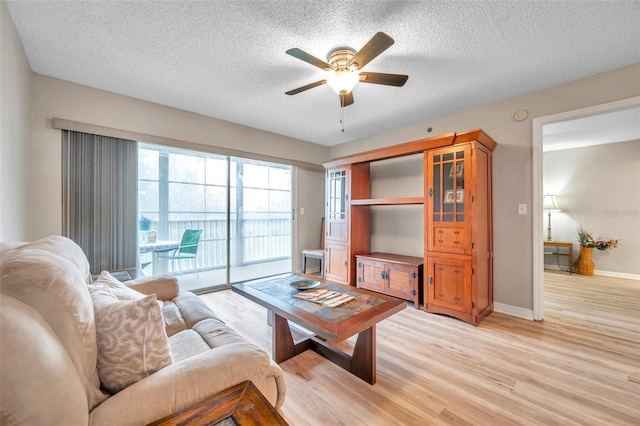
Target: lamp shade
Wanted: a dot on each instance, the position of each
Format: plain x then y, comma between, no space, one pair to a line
550,204
342,82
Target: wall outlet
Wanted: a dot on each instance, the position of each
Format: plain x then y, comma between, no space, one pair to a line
301,210
522,209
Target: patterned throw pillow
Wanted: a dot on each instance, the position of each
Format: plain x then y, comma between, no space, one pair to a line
132,341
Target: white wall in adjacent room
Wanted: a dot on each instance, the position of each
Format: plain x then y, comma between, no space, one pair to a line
598,189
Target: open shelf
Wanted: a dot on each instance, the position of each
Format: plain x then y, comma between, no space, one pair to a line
387,201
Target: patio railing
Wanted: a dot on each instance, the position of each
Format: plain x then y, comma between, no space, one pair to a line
259,240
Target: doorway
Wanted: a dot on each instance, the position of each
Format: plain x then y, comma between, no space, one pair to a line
538,190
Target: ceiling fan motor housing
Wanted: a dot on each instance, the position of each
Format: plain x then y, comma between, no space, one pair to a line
339,59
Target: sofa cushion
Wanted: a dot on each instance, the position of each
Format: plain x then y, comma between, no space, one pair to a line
184,311
186,344
65,248
56,288
34,366
132,342
216,333
205,335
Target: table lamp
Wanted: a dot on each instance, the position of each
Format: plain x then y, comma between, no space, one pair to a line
549,204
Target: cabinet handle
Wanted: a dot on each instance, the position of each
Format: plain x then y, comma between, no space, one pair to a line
345,263
430,280
382,275
413,274
359,279
413,292
430,192
359,265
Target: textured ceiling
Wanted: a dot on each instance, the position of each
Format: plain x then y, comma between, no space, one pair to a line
612,127
226,59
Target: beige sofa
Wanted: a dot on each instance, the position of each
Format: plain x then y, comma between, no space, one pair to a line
52,327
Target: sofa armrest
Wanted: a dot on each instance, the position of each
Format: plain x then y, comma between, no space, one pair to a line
165,288
185,383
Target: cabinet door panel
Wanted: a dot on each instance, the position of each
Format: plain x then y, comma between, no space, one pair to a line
370,275
401,280
336,262
448,283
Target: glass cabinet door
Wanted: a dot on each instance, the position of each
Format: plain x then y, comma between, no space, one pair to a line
337,204
337,186
448,199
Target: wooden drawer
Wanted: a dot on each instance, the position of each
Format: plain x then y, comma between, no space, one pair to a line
394,275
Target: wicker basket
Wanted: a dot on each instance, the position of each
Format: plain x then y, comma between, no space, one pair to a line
584,264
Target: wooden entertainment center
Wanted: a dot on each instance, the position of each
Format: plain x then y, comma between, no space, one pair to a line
458,244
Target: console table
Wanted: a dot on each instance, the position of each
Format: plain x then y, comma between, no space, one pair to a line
556,246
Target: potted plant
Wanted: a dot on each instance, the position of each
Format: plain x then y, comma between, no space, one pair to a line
584,264
145,223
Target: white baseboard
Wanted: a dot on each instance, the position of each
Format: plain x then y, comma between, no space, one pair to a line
616,275
514,311
600,273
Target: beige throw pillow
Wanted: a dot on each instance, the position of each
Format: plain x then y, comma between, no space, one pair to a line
132,342
118,289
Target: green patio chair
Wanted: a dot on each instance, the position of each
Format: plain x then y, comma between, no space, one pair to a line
188,249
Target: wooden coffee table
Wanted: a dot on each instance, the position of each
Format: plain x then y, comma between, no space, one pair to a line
330,325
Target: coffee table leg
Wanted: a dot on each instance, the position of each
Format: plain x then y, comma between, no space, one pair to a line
363,360
283,345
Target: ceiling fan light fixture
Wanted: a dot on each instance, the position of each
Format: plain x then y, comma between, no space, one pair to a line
343,82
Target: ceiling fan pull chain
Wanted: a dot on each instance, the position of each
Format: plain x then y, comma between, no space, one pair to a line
342,117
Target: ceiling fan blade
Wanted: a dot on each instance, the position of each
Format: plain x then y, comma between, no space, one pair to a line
375,46
346,99
304,56
382,78
307,87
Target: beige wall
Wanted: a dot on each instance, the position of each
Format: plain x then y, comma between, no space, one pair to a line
57,98
310,197
597,188
512,171
15,131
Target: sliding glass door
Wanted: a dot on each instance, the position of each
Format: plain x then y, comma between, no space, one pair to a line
261,242
241,207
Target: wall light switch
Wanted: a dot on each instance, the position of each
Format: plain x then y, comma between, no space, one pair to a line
522,209
301,210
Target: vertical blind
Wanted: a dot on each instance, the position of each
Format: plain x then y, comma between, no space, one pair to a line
99,198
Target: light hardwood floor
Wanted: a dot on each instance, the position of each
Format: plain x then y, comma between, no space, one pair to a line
581,366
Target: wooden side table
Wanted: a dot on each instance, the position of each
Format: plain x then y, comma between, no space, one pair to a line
241,405
560,245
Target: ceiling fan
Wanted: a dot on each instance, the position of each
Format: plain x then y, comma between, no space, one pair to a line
343,68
